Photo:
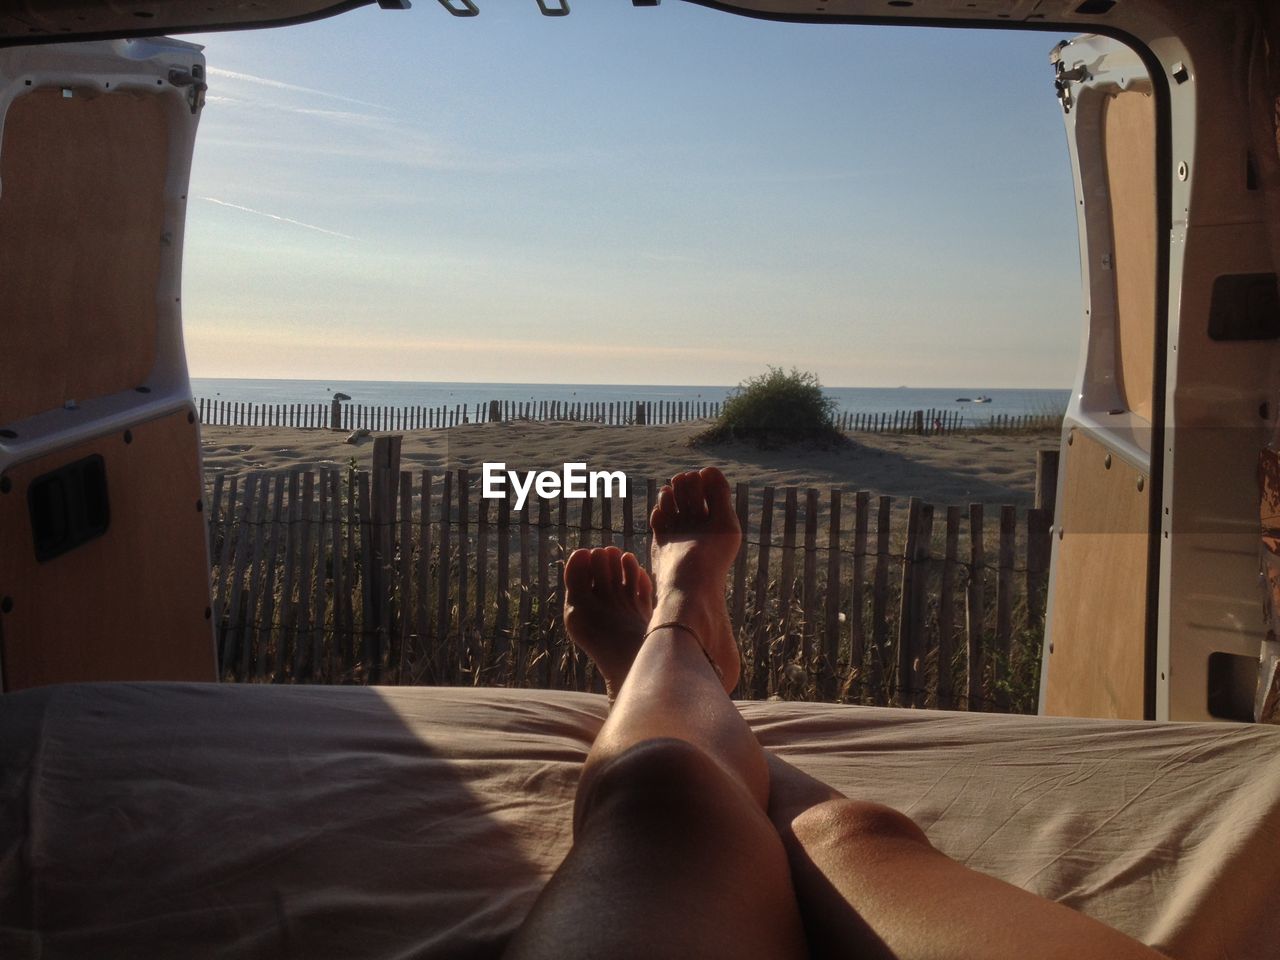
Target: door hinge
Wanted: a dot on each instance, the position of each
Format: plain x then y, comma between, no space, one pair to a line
1064,78
193,80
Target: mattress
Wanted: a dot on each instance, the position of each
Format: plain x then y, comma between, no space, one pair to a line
173,820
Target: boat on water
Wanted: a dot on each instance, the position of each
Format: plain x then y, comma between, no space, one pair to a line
977,399
981,399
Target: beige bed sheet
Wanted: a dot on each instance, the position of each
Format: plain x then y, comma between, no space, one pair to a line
165,820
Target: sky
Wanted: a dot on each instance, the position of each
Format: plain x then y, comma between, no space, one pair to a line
637,195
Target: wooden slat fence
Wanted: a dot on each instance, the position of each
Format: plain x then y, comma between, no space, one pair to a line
348,416
389,576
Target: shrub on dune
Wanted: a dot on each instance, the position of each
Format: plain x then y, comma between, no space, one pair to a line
777,408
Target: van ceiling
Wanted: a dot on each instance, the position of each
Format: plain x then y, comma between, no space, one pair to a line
45,21
42,21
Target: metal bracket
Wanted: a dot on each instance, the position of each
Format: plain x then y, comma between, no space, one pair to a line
1063,78
461,8
561,9
193,80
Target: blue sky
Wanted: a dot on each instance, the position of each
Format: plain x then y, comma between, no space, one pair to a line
660,195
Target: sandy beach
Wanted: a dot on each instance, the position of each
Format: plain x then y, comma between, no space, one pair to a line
991,468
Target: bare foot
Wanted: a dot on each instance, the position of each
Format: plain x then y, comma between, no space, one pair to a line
608,602
695,541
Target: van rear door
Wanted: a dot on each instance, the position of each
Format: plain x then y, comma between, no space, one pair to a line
103,568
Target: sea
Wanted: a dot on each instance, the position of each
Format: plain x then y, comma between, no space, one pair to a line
1012,402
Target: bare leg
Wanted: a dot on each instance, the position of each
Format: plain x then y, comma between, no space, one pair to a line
670,859
673,854
870,885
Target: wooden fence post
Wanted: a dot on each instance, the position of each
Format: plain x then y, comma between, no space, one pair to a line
628,521
423,623
920,604
760,657
548,614
917,622
1046,480
880,604
975,608
340,586
557,586
269,656
236,618
903,685
445,664
480,621
857,628
386,475
829,664
222,581
1004,603
1039,547
396,576
584,524
370,649
946,612
288,586
530,587
256,587
466,653
302,612
502,646
809,598
319,595
782,654
350,643
739,608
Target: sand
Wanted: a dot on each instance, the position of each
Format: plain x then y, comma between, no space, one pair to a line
990,468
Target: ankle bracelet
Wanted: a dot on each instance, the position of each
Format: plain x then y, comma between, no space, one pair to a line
677,625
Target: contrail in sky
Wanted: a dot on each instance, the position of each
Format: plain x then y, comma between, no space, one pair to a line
272,216
292,87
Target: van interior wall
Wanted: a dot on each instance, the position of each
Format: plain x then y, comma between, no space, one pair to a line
81,225
90,233
1097,623
130,604
1097,657
1129,143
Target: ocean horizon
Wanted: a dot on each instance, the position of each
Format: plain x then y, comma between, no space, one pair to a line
868,400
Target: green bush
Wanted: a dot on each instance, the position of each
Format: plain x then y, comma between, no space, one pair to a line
777,408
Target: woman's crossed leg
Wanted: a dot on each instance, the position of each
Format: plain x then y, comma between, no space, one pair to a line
674,854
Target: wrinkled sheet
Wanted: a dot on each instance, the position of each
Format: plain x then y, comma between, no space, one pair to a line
169,820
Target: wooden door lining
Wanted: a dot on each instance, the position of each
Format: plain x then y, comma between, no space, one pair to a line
131,604
1129,145
1097,627
81,224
